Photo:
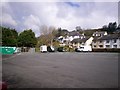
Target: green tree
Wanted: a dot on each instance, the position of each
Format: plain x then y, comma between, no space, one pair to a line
110,28
89,32
27,38
62,32
78,28
105,28
9,37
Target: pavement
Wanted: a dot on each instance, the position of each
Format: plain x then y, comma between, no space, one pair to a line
61,70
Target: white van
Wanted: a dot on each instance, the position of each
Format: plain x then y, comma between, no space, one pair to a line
43,48
84,48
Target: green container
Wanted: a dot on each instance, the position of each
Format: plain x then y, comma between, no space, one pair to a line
7,50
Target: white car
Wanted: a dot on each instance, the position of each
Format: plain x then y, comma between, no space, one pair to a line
43,48
84,48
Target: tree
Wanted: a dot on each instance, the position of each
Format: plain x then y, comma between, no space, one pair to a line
27,38
105,28
89,32
111,28
48,36
78,28
9,37
44,30
62,32
58,32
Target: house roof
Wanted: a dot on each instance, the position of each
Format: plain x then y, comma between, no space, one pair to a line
74,33
96,38
102,32
107,37
78,40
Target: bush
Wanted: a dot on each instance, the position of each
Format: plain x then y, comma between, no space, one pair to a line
60,49
67,49
37,49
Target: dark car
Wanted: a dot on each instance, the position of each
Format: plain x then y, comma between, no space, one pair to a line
50,49
60,49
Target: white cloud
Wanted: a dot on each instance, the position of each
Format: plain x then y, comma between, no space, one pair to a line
7,19
61,14
88,15
32,22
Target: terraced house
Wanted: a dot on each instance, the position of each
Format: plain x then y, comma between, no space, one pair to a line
107,41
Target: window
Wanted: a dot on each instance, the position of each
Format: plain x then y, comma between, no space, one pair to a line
97,34
100,45
94,45
107,41
64,41
81,47
75,42
114,46
107,46
100,41
115,41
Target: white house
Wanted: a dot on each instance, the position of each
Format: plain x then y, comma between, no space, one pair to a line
84,42
75,35
108,41
65,40
99,33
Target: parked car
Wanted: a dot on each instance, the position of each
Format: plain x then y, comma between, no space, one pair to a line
60,49
50,49
84,48
43,48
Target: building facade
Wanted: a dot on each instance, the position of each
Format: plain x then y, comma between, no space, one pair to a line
87,41
108,41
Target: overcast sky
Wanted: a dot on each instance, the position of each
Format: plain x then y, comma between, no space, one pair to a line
67,15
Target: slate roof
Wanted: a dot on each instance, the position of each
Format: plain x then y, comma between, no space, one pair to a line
96,38
74,33
97,32
107,37
80,40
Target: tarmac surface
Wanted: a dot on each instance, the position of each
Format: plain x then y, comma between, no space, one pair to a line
61,70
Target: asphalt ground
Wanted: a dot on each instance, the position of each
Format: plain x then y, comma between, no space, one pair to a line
61,70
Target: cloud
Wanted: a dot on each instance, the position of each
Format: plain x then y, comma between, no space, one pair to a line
61,14
7,19
32,22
